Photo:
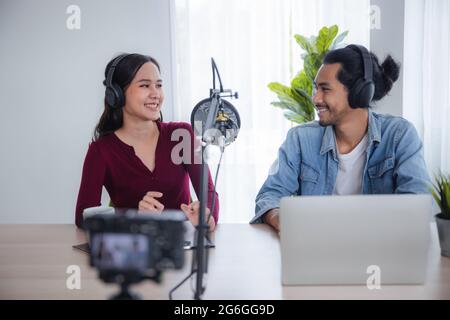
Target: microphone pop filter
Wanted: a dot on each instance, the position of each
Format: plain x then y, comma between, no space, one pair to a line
227,121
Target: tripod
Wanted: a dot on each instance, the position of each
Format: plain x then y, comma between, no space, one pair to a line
126,280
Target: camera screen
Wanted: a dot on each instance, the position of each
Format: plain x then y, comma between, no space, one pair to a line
120,251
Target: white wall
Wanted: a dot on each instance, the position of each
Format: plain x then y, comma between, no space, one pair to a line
388,39
51,93
413,82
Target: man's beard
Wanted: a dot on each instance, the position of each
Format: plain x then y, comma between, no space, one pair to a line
326,122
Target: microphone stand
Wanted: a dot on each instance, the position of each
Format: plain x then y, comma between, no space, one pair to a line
202,226
200,258
200,255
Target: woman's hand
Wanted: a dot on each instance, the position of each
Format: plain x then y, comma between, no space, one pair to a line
150,204
192,212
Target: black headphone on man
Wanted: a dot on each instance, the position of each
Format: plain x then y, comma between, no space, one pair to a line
362,91
114,95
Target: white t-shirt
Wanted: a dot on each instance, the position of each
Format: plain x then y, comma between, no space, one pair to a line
350,172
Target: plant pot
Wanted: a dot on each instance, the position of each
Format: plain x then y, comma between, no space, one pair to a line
443,226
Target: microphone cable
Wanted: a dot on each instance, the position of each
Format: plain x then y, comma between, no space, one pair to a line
214,68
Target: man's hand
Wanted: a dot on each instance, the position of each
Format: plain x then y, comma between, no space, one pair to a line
272,218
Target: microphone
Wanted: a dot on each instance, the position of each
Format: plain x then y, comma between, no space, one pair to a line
214,119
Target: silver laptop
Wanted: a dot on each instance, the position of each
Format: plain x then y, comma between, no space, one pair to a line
347,239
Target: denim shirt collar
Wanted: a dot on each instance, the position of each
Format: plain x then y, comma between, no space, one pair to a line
329,139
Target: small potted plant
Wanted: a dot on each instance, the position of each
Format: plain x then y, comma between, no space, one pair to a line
441,193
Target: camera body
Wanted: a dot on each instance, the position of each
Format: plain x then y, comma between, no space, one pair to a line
129,246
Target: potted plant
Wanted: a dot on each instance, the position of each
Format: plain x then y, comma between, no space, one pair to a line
296,99
441,193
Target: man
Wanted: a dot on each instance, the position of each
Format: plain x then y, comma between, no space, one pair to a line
351,149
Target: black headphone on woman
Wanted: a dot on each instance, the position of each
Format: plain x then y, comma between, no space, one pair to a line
114,95
362,91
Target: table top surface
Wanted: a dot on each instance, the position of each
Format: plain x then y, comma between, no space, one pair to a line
246,264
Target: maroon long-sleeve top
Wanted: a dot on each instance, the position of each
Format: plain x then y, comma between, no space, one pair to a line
112,163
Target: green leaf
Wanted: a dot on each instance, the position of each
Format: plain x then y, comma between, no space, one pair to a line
306,102
279,88
311,64
297,109
302,93
305,82
325,39
338,40
313,43
278,104
304,43
441,193
284,93
436,198
294,117
446,198
284,106
295,100
301,81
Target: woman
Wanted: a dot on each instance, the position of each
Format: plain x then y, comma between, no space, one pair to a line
132,150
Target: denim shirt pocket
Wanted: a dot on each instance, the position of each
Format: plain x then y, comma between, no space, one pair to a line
381,176
309,177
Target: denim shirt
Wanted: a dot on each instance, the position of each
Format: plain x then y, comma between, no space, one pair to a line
307,162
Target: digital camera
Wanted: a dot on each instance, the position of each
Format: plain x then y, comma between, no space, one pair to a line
131,246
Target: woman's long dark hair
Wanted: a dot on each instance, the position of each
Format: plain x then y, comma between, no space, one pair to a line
125,71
